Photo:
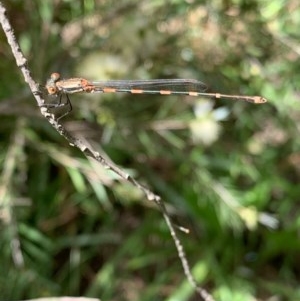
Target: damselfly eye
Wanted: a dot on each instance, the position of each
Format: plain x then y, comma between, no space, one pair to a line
55,76
51,90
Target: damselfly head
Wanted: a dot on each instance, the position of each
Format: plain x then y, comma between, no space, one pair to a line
51,84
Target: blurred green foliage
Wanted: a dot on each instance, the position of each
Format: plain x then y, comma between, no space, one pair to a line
229,171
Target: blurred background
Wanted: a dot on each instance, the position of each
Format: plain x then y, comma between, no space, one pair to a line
229,171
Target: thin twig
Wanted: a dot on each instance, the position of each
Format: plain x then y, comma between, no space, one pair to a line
21,63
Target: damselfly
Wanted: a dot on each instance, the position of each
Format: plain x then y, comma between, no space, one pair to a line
59,87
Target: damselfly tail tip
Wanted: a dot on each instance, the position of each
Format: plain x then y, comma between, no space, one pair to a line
259,99
254,99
